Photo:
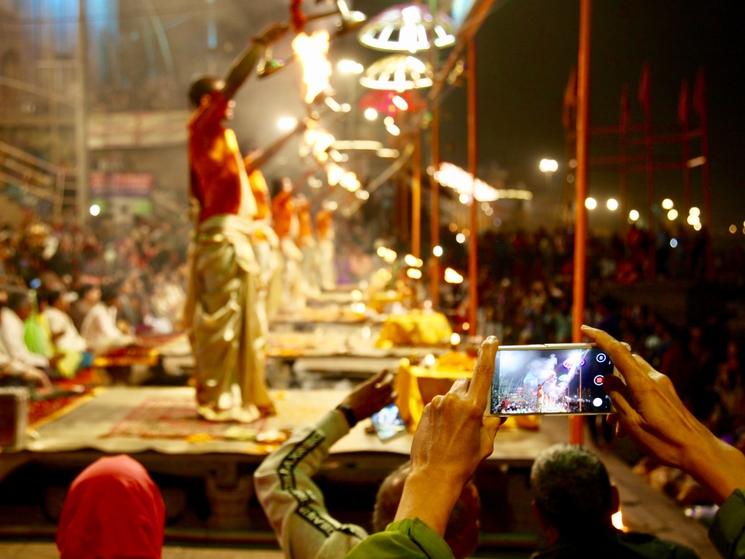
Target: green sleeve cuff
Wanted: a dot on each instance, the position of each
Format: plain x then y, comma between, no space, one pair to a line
404,539
425,537
728,530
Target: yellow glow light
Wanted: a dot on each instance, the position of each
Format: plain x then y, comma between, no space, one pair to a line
548,165
413,262
349,66
454,338
400,103
334,174
451,276
460,238
591,203
370,114
694,211
672,215
612,204
617,521
286,123
414,273
633,215
437,251
667,204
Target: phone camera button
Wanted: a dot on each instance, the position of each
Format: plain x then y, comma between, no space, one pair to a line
599,380
601,357
597,402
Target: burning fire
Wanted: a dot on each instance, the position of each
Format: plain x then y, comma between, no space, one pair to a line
312,52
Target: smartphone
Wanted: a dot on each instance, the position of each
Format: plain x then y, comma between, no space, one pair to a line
559,379
388,422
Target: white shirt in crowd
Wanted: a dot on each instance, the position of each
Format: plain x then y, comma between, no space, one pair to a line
11,331
60,321
100,331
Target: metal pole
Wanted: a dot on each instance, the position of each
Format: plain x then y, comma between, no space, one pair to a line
473,262
81,132
416,196
576,423
434,223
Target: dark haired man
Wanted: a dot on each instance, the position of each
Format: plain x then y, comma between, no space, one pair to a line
574,501
221,304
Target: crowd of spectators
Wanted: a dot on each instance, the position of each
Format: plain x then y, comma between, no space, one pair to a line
525,296
70,292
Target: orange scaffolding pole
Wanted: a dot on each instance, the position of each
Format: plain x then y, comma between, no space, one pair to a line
434,223
473,261
576,422
416,196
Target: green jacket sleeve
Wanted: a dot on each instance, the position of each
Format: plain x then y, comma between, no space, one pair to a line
404,539
728,530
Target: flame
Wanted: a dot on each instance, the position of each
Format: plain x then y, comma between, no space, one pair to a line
617,521
312,52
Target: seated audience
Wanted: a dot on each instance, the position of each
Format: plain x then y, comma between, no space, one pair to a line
454,437
14,372
295,505
12,332
574,501
114,510
88,295
99,328
64,333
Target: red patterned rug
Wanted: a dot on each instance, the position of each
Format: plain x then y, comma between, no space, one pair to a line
176,418
41,411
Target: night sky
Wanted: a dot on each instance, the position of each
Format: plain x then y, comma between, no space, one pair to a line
527,47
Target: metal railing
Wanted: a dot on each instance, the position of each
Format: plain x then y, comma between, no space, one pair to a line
33,175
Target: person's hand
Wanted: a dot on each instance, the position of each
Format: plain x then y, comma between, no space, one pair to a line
371,395
272,33
453,438
39,378
650,411
54,361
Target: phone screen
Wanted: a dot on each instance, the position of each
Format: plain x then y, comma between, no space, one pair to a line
388,422
550,380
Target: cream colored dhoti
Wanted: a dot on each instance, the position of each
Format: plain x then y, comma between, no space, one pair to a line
226,335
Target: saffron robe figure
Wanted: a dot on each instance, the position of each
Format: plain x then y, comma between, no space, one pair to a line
286,226
309,270
221,308
326,252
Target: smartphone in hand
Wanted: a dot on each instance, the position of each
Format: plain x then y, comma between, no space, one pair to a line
388,422
560,379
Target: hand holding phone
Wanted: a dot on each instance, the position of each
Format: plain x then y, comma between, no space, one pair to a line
559,379
388,422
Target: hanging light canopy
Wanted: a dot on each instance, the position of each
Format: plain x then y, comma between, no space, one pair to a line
407,28
397,72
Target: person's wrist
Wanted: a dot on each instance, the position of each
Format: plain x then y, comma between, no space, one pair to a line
430,495
439,474
716,465
349,414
